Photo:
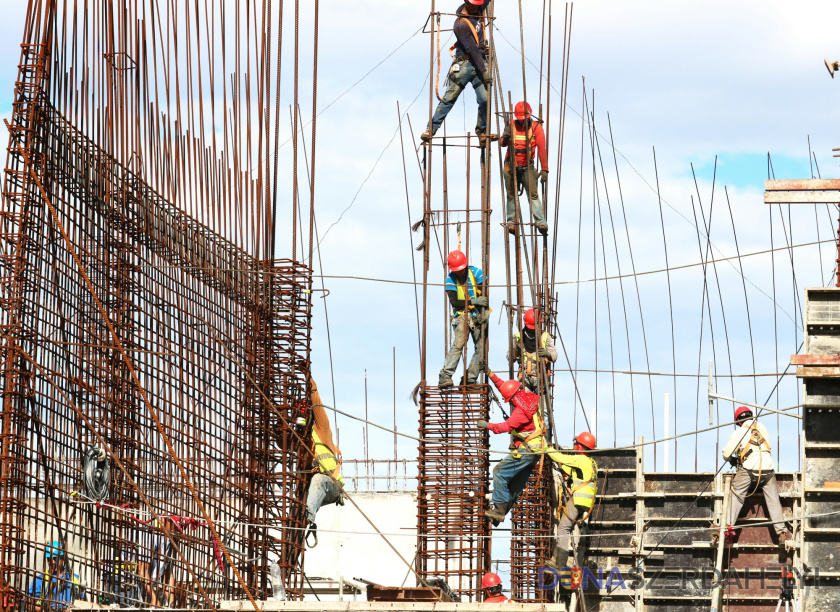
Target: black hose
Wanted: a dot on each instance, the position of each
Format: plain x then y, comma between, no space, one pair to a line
96,471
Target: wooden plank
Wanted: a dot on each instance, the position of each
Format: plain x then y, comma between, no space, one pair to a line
815,360
831,484
802,197
801,184
818,372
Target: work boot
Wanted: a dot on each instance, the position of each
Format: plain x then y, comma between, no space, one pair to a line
426,136
543,227
497,513
445,383
559,559
511,228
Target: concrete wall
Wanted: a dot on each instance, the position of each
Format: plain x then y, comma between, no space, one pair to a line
365,556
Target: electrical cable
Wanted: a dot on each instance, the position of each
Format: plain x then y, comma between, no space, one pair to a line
96,473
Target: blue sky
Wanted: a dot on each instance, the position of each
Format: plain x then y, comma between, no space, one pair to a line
694,80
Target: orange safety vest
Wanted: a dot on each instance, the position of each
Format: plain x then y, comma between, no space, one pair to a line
521,141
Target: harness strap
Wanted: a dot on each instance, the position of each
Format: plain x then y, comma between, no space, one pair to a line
472,27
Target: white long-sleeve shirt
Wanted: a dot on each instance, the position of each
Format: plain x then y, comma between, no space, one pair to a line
741,438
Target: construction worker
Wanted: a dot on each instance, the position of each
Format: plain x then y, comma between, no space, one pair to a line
525,134
580,475
462,284
525,423
58,588
491,584
534,351
748,449
471,65
327,484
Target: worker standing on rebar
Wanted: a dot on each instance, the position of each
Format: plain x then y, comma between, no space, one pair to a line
526,424
529,360
471,65
579,486
469,316
491,584
327,483
749,450
528,138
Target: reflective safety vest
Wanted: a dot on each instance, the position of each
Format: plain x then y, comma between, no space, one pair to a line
462,291
529,360
584,483
756,441
327,462
521,141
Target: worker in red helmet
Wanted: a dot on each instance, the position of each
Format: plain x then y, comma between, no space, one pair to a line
528,139
526,424
491,584
579,488
471,65
526,350
470,314
748,449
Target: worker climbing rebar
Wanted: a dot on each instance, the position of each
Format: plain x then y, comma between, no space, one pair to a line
579,487
469,317
531,351
525,423
749,451
326,486
528,138
471,64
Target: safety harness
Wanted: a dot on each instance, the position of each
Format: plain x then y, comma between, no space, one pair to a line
465,17
522,141
534,439
530,360
582,491
756,440
462,291
328,463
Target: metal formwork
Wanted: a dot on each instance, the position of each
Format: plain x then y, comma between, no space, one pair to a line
130,326
819,368
453,535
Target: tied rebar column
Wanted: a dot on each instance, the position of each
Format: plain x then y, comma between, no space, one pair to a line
453,541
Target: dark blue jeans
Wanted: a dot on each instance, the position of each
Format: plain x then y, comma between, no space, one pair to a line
511,475
457,83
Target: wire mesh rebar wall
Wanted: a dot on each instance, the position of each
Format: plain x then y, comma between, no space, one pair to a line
130,325
453,483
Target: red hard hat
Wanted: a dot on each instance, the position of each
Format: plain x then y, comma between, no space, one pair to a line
476,2
530,318
742,410
509,389
586,439
522,111
490,580
457,261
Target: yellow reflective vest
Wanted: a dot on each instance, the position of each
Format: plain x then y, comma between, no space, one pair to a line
584,473
529,360
462,290
326,460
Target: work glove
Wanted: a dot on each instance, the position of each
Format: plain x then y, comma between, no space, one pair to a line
482,424
733,461
482,301
544,176
542,352
487,78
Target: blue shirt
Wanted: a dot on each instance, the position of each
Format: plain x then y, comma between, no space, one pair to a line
64,591
452,284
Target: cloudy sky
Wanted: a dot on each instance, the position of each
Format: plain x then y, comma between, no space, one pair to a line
695,80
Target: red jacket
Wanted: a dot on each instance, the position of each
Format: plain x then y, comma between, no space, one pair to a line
525,405
537,142
496,599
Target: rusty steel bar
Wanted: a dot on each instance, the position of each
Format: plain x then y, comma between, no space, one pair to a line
130,239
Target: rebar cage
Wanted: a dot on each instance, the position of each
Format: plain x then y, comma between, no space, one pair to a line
130,327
